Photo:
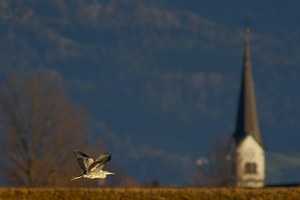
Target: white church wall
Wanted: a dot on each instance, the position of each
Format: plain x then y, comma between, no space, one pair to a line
250,163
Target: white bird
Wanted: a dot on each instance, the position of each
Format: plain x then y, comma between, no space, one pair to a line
92,169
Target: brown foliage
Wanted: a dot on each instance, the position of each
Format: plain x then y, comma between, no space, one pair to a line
158,193
218,171
40,126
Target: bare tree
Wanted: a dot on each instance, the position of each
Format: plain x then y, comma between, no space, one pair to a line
217,169
39,128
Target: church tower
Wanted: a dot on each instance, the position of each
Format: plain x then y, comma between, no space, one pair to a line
249,149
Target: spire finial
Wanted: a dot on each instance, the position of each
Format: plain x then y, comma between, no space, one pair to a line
246,30
246,22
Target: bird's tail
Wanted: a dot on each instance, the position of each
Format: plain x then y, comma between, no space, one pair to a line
76,177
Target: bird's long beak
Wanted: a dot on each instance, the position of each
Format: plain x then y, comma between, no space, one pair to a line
110,173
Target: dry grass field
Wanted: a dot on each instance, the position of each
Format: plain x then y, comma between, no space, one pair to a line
144,193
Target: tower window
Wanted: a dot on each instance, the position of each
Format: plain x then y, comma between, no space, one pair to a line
250,168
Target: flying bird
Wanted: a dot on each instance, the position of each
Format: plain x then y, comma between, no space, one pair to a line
92,169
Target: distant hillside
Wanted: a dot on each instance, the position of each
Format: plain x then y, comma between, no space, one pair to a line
123,41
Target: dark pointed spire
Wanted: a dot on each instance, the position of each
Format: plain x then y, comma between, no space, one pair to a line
247,123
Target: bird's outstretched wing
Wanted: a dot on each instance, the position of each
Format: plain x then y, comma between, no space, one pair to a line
100,161
84,161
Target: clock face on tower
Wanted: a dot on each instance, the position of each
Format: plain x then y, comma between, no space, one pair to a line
249,153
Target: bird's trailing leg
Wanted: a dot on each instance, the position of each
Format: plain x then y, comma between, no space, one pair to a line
76,177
